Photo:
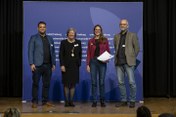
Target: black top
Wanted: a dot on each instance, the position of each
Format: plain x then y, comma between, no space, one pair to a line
70,56
66,51
97,50
46,50
121,51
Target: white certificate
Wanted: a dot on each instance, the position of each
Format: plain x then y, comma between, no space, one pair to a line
105,56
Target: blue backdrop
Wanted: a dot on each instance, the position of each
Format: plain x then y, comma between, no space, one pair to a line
59,16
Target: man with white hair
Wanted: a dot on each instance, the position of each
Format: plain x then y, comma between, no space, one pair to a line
126,50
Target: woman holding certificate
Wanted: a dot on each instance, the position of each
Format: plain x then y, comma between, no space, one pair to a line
97,46
70,60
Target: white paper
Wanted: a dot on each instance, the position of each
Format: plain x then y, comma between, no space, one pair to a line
105,56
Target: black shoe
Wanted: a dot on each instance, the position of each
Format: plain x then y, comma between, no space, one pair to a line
103,104
119,104
132,104
71,104
94,104
66,104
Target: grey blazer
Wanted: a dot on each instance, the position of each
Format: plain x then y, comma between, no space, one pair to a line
131,47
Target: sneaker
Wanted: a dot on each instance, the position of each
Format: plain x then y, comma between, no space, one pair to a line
132,104
94,104
119,104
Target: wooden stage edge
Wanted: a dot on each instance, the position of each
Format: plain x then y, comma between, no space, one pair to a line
79,115
156,106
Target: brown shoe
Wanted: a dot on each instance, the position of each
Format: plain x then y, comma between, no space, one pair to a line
34,105
48,104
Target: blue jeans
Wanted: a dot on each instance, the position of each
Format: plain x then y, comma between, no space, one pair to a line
97,68
121,82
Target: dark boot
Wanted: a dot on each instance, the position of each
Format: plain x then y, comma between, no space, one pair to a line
94,104
103,103
71,104
132,104
66,104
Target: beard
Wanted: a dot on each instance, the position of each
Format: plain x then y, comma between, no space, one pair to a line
123,29
42,33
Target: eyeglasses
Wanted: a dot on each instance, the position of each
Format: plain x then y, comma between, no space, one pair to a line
97,29
123,24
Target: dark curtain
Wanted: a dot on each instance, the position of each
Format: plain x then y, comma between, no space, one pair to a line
11,48
172,45
159,47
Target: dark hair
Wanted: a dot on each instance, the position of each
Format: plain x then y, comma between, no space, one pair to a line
41,22
12,112
102,38
71,29
143,111
166,115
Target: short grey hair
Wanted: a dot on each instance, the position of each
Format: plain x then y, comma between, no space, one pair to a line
126,21
71,29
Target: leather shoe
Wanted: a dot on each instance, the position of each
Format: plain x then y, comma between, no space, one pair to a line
34,105
48,104
132,104
71,104
103,104
66,104
94,104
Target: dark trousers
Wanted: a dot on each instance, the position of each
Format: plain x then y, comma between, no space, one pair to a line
45,72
